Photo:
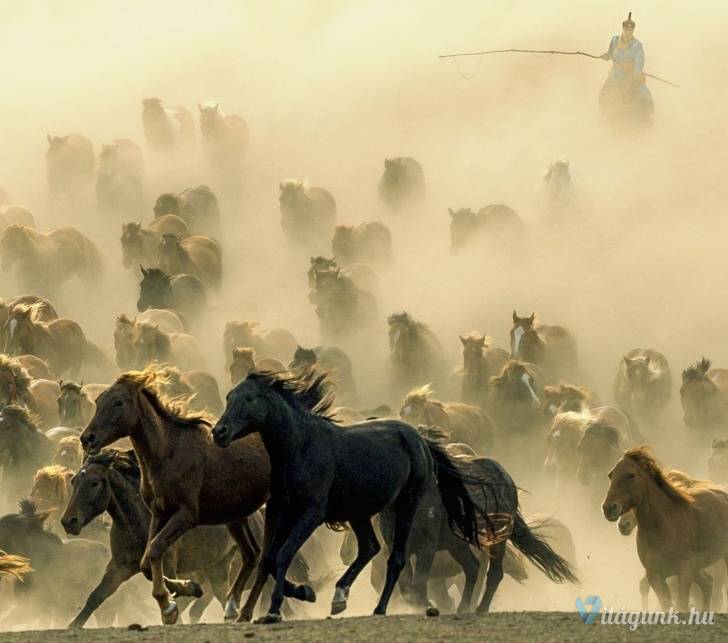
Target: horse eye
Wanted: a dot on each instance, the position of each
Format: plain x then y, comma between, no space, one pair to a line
118,403
630,476
95,483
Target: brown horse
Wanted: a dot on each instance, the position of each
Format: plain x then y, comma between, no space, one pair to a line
198,207
197,256
308,214
562,447
276,342
59,342
415,351
44,261
704,397
41,310
245,361
369,242
225,136
11,213
77,402
138,245
69,163
553,348
50,492
643,385
69,453
167,320
680,531
154,345
463,422
480,363
186,479
166,128
198,388
563,397
17,387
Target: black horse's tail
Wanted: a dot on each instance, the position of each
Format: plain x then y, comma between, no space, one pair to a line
539,552
462,512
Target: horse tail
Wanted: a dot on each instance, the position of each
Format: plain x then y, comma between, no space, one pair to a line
462,512
540,553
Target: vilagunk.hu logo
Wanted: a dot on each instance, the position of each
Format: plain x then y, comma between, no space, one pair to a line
590,610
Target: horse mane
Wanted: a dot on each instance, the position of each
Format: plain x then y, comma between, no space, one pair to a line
13,566
697,371
310,389
123,461
71,386
602,430
475,336
418,328
20,376
21,415
244,351
157,274
687,481
643,458
294,183
434,433
421,395
174,411
52,472
507,371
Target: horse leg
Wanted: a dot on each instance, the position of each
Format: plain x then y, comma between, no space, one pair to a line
705,582
644,592
423,565
405,509
249,554
684,581
662,591
302,530
367,548
464,556
113,577
262,571
494,575
167,534
439,590
200,604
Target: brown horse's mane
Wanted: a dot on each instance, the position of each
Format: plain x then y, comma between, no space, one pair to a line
696,372
124,461
13,566
22,416
71,386
643,458
244,351
20,375
434,433
421,395
562,388
125,319
174,411
310,389
53,472
509,367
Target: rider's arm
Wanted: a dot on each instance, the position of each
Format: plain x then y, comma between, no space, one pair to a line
607,55
639,60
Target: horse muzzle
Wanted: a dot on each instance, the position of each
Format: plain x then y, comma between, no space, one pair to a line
222,435
90,443
611,511
72,525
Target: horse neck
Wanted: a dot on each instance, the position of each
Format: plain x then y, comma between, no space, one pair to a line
125,504
655,509
150,438
31,450
286,431
532,347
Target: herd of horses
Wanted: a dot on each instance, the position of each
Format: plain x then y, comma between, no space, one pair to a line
156,470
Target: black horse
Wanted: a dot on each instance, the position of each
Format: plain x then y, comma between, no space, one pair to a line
323,473
109,482
184,294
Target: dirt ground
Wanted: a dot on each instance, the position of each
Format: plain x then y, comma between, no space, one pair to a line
502,626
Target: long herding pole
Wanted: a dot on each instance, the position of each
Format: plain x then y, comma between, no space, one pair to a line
544,51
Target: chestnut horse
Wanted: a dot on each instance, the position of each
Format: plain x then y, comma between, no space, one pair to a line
186,479
553,348
679,531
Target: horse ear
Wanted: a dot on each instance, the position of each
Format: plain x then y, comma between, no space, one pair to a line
60,383
515,317
49,138
144,272
532,318
462,340
627,360
647,360
81,384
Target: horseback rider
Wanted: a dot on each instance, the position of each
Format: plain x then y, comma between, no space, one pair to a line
625,90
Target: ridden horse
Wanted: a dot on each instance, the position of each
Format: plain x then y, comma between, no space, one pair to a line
480,362
704,398
110,482
24,449
415,352
679,531
183,294
643,385
462,422
43,261
553,348
324,473
60,342
186,479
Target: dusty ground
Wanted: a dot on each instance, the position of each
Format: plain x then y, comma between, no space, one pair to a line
503,626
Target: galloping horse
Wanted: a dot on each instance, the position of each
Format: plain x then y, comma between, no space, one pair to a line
679,531
415,352
186,479
323,474
480,363
704,397
643,385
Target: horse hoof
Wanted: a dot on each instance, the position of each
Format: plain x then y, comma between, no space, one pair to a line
269,619
171,614
73,625
432,611
308,594
244,618
195,589
337,607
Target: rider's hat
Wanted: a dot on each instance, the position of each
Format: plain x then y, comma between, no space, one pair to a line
629,22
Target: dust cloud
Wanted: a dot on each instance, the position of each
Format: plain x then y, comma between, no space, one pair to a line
331,88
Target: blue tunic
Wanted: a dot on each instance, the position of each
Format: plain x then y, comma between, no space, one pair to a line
628,61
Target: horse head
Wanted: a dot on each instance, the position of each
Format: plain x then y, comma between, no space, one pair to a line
523,332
